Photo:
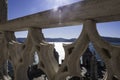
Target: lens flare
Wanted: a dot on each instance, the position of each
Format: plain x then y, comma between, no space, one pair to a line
58,3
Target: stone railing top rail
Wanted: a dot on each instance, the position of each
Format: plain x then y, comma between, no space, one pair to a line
74,14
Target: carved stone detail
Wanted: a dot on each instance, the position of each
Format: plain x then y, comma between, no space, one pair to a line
21,54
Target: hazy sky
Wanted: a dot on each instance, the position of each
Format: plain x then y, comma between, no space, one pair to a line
19,8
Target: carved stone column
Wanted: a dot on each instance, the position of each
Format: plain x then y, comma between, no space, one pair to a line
35,37
25,60
3,57
3,11
109,53
73,52
45,52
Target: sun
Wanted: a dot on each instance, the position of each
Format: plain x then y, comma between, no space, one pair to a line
59,3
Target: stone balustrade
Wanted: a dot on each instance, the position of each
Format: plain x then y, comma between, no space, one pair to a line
21,54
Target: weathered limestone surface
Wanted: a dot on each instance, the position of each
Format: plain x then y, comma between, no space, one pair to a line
86,12
3,51
20,54
74,14
109,53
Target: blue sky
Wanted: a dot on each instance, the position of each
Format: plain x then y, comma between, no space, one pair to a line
19,8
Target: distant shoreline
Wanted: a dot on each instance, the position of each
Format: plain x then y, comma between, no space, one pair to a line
108,39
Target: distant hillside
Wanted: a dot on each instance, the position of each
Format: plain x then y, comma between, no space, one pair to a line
109,39
51,40
60,40
21,40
